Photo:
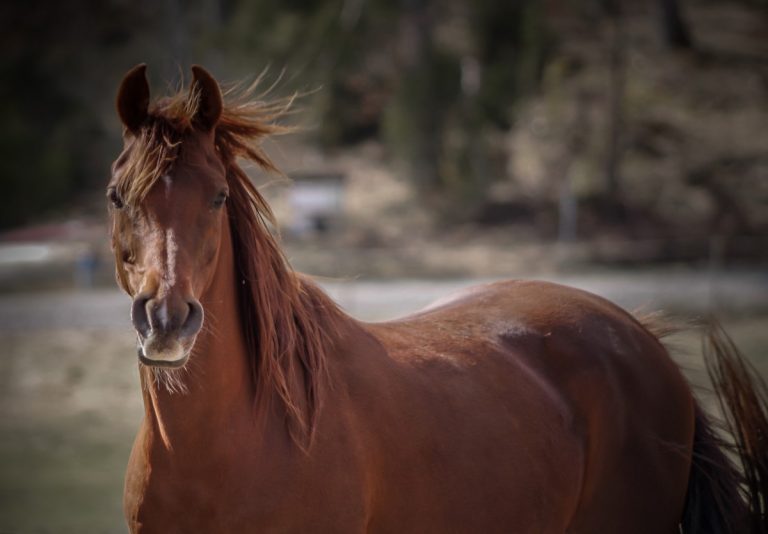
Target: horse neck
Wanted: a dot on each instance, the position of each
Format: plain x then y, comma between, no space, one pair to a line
216,384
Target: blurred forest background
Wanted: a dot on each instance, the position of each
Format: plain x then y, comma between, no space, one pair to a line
558,119
619,146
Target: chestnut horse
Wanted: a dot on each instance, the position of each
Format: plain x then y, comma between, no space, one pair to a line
512,407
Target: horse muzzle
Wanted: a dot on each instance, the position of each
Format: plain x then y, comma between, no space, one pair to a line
166,328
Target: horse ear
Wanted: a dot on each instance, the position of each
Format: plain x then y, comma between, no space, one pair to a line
210,104
133,98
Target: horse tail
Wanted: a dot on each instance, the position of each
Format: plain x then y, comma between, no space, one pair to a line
728,482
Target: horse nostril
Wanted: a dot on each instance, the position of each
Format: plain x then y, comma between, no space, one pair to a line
167,316
194,320
139,315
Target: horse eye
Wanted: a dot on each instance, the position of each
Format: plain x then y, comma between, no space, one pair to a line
220,199
114,198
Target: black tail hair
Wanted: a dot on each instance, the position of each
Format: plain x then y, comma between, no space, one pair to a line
728,484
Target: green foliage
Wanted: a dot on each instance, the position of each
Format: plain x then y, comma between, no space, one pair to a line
57,83
416,118
58,129
441,125
36,158
511,40
438,82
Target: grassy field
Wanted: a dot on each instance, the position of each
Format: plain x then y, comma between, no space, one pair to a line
70,404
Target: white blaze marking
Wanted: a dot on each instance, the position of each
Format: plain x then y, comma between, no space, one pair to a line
171,250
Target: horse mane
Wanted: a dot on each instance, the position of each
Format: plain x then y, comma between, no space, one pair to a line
295,321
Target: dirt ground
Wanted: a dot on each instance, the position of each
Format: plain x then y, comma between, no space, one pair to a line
70,400
69,404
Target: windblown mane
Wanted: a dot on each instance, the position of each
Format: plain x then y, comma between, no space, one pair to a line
289,323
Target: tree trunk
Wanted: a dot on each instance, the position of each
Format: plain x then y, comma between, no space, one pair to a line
673,26
616,93
420,85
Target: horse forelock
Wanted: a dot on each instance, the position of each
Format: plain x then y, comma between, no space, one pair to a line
151,153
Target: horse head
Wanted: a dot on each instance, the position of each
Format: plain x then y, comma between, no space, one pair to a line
167,200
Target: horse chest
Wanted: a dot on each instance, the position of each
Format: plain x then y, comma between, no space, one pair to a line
244,493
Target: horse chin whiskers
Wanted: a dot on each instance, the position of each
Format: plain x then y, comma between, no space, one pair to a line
172,379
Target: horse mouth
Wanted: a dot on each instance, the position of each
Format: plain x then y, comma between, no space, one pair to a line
166,354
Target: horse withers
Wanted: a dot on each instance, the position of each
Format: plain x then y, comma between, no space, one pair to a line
513,407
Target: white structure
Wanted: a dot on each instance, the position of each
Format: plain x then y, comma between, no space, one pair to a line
316,201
